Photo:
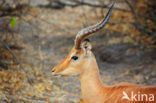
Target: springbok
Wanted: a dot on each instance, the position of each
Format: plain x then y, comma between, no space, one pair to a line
81,61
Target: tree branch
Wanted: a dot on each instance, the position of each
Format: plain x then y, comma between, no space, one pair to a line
137,24
61,4
17,59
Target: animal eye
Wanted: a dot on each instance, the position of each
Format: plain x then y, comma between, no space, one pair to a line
74,57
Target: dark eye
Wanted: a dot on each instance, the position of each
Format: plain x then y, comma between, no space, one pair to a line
74,57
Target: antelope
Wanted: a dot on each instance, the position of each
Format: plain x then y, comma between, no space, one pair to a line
81,61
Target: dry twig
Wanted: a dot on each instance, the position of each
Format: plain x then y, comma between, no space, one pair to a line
75,3
17,59
137,23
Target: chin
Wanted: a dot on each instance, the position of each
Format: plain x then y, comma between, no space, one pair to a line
65,75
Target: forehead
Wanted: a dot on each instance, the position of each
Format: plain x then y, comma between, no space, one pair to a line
76,52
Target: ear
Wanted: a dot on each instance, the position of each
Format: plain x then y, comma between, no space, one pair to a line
86,45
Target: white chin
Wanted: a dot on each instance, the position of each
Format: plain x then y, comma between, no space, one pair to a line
68,72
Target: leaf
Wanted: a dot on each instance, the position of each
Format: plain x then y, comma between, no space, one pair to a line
13,22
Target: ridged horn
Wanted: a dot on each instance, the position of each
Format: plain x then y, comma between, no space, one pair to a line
92,29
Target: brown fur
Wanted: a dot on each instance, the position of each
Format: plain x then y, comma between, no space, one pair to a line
93,90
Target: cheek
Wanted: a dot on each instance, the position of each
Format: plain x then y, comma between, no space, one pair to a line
70,71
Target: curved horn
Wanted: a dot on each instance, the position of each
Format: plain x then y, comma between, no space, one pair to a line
92,29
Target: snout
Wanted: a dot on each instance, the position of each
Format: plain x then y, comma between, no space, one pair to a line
53,71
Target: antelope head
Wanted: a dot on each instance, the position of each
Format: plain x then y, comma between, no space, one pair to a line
81,54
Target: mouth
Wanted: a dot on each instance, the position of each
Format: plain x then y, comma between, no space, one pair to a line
56,75
59,75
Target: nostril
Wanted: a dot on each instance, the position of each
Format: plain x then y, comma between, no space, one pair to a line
53,70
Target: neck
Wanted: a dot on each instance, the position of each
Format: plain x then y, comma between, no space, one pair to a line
91,84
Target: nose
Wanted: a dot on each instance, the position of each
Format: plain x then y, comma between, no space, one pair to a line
53,70
53,73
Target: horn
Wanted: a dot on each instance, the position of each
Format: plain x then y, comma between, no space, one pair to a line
92,29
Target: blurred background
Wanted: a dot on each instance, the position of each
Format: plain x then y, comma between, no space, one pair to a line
36,34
